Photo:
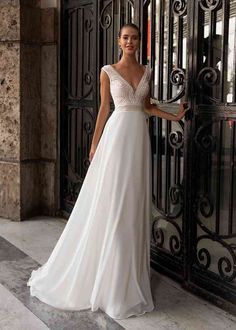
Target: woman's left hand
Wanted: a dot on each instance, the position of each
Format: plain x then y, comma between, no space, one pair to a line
182,111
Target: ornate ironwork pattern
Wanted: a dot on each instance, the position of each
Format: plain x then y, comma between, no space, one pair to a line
105,18
209,158
204,139
210,4
214,253
169,29
179,7
169,240
168,21
191,47
208,77
215,51
79,96
85,48
214,199
225,265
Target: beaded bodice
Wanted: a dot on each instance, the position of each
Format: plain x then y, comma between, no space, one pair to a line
122,92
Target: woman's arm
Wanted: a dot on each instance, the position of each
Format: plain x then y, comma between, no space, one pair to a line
153,110
102,113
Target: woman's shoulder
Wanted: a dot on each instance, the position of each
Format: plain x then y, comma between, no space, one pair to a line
106,68
148,67
109,68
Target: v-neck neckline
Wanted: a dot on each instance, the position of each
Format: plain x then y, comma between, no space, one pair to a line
134,90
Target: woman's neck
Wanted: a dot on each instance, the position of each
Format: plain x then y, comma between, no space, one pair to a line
128,60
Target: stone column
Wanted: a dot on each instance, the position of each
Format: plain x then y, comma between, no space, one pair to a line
49,110
27,165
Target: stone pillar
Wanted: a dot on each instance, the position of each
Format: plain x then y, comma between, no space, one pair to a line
49,110
27,112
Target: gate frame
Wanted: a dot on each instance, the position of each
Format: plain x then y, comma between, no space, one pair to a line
189,227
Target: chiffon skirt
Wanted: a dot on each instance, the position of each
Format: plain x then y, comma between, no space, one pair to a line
102,258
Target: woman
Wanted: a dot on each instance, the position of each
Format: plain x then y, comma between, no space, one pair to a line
102,258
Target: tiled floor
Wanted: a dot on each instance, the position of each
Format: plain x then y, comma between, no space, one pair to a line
25,245
14,315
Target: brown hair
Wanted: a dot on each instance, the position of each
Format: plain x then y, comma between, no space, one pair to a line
132,25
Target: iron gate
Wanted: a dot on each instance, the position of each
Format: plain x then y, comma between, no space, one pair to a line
191,46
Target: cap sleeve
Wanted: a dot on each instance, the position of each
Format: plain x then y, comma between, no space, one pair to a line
106,68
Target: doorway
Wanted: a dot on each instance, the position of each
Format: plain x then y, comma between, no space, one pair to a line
191,47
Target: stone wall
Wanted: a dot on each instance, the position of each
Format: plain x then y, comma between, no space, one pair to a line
28,109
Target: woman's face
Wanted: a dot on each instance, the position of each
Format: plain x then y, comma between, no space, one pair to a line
129,40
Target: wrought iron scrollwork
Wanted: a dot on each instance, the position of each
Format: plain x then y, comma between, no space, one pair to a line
88,127
210,4
179,7
176,198
176,194
177,78
205,205
209,77
226,265
174,241
203,258
157,234
105,17
176,139
174,245
88,25
87,78
205,141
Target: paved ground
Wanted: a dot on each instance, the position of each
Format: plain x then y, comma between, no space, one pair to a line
25,245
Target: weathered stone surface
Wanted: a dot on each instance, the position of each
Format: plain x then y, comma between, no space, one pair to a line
27,189
48,188
9,70
9,129
30,101
30,189
10,190
10,21
49,26
49,74
14,3
49,101
30,72
28,109
30,129
48,131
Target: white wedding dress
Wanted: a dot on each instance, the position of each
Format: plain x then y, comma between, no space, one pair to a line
102,258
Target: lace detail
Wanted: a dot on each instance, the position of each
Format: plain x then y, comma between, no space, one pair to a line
122,92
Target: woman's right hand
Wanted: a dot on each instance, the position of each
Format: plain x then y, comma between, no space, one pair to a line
92,152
